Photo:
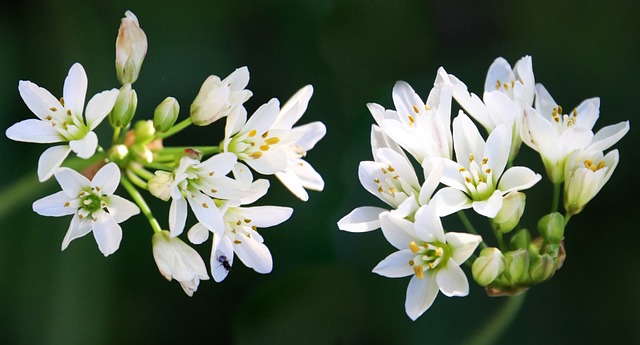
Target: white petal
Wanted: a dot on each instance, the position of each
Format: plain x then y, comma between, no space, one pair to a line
238,79
198,234
263,118
575,138
467,140
544,101
50,160
587,113
471,103
221,255
267,216
38,100
107,178
34,131
518,178
85,147
177,216
433,169
269,163
539,134
490,207
405,137
294,108
451,175
405,98
497,149
71,181
428,226
499,71
100,106
361,219
452,281
77,229
120,208
420,295
54,205
75,90
206,211
218,165
107,233
290,180
396,265
401,165
253,254
310,134
449,200
462,245
608,136
399,232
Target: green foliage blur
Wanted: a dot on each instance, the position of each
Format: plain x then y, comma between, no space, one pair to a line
321,290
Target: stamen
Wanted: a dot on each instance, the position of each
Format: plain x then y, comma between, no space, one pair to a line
236,242
265,134
53,109
239,222
419,272
439,251
272,141
214,190
471,157
264,147
485,160
390,168
204,205
247,220
376,180
415,109
600,165
255,155
252,133
211,173
68,112
411,262
414,247
498,84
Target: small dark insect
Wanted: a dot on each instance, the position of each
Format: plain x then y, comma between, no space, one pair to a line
222,259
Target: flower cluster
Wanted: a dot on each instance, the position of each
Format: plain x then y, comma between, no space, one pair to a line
463,170
215,182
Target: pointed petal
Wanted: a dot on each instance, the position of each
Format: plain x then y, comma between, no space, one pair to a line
452,281
420,295
544,102
471,103
310,134
75,90
499,73
254,254
290,180
518,178
263,118
267,216
100,106
120,208
177,216
489,207
398,231
608,136
54,205
218,165
451,175
107,233
107,178
462,245
428,226
467,140
50,160
238,79
34,131
71,181
405,99
396,265
294,108
497,150
206,211
433,169
38,100
361,219
221,252
77,228
85,147
449,200
587,113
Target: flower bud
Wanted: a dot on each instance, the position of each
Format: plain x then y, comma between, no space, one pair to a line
166,114
144,131
551,227
131,48
124,108
218,98
517,266
521,239
488,266
509,215
585,175
160,185
177,260
542,267
119,155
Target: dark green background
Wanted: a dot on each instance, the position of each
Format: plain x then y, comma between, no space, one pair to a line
321,290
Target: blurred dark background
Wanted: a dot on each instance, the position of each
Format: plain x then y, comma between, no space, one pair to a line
321,290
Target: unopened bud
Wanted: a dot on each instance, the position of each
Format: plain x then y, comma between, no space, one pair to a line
219,98
551,227
144,131
166,114
160,185
488,266
509,215
542,267
125,107
131,48
521,239
517,266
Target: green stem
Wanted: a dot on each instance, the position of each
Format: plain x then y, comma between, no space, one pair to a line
500,239
556,196
158,166
135,179
140,171
175,129
567,217
139,200
116,135
490,332
205,150
467,224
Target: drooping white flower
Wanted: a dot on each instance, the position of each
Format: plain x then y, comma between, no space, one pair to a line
555,135
423,129
177,260
62,121
585,174
507,93
93,205
219,98
429,255
478,179
240,236
270,144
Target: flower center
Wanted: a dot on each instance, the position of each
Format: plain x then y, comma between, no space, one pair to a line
91,201
593,167
252,145
238,226
429,256
70,127
391,187
563,122
478,179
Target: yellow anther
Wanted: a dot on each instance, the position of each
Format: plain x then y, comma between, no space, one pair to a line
236,242
380,189
239,222
392,190
376,180
97,189
600,165
272,141
204,205
53,109
485,160
383,170
214,190
254,227
488,171
471,157
62,101
419,272
66,204
414,247
247,220
559,109
80,216
498,83
426,107
513,82
396,177
431,265
588,163
255,155
411,119
252,133
68,112
415,109
264,147
462,169
574,112
467,179
265,134
211,173
439,251
390,168
506,86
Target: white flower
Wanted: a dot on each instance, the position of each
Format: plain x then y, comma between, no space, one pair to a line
585,174
62,120
270,144
556,135
131,48
92,204
391,178
176,260
429,255
479,179
219,98
423,129
507,93
240,236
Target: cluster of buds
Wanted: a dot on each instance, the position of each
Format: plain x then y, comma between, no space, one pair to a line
216,182
463,170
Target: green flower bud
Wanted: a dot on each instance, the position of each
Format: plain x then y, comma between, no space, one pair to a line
124,108
119,154
521,239
144,131
542,268
509,215
160,185
166,114
517,266
488,266
551,227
